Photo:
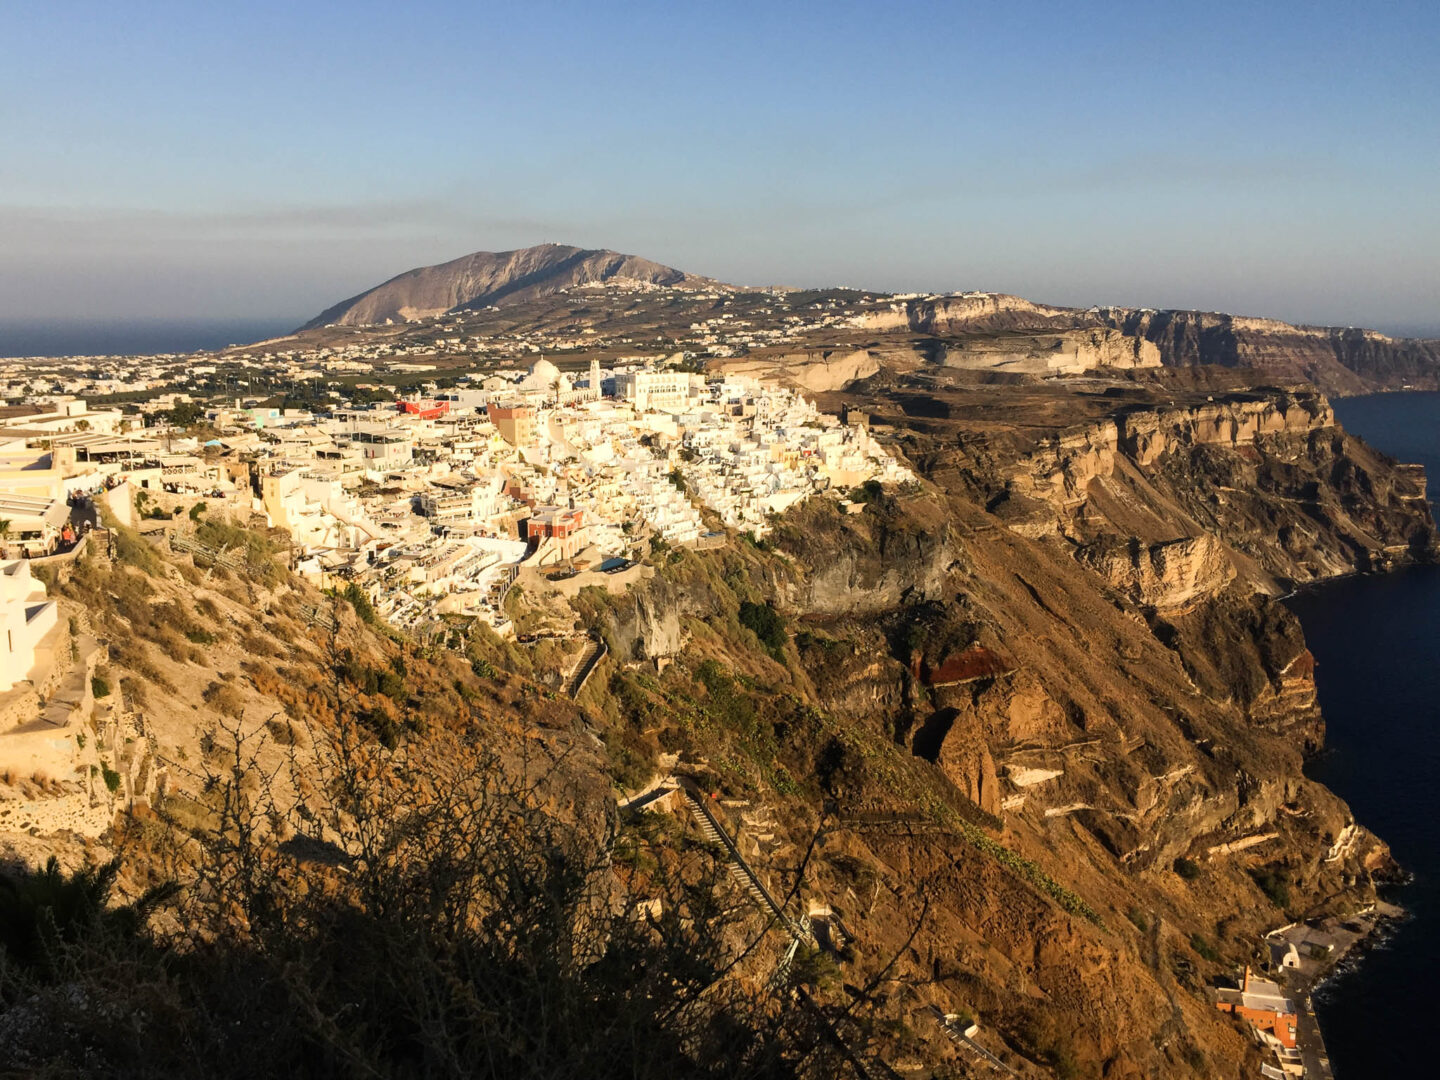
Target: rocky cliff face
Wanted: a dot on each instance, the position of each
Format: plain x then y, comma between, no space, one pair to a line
819,370
951,314
1070,352
1249,469
1339,360
1037,722
1344,360
1169,575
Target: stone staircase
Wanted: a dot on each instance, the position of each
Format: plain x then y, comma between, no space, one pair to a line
970,1050
739,869
589,660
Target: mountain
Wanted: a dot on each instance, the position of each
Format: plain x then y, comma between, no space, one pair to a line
1339,360
497,277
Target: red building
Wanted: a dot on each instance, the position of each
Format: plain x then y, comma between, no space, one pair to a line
426,410
564,527
1264,1004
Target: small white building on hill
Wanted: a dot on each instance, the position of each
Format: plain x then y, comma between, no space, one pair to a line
26,616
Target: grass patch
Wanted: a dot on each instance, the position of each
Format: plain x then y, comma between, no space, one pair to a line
1203,948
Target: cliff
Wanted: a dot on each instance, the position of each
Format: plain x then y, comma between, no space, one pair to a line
1344,360
1018,695
1340,360
1069,352
990,716
951,314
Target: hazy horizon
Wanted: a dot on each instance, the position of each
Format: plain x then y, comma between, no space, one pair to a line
165,162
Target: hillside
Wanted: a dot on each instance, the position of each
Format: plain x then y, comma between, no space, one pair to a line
497,278
1021,741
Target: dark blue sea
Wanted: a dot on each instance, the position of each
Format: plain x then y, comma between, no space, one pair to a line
86,337
1377,642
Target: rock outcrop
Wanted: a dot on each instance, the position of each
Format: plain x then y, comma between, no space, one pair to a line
1070,352
818,370
1169,575
951,314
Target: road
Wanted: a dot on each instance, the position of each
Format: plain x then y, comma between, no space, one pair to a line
1308,1039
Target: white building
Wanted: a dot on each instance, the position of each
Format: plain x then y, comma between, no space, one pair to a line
27,616
646,390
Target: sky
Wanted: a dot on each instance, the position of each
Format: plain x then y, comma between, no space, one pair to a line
264,160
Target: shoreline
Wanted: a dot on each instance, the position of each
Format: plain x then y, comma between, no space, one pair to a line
1307,955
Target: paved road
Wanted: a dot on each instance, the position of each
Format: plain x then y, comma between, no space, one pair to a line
1307,1031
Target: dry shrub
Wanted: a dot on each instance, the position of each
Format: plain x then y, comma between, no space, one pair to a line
146,669
225,699
260,645
287,733
136,695
172,644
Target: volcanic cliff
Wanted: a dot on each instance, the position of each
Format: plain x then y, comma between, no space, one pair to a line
1018,699
1344,360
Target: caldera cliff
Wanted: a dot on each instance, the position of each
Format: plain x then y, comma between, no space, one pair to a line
1016,702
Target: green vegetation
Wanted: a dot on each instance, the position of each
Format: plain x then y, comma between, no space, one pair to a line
763,621
870,491
358,599
112,778
1274,885
260,551
184,414
99,687
384,681
131,549
1188,869
1203,948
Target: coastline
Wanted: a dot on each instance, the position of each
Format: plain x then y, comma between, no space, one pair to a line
1373,634
1306,955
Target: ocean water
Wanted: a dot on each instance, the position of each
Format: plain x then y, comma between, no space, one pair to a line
1376,640
85,337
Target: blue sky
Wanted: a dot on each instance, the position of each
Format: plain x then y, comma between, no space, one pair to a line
267,159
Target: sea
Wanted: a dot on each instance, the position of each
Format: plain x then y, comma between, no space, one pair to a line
1376,640
133,337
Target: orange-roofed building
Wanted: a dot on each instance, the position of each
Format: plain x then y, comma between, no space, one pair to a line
1262,1002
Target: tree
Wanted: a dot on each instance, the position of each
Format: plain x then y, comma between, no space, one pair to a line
5,535
767,625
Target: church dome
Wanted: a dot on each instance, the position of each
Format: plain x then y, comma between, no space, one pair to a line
543,373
